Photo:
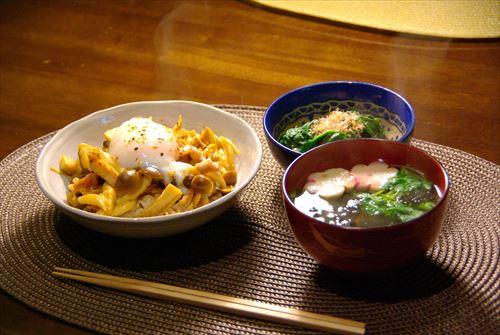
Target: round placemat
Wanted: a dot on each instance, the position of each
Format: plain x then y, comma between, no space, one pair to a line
443,19
249,252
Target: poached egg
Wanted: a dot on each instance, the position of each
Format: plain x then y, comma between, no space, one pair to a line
141,143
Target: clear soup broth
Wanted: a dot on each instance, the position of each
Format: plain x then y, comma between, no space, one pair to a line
374,195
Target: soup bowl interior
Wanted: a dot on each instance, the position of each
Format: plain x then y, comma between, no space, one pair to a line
309,102
90,130
358,250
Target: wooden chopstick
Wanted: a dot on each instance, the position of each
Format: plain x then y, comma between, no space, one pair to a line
210,295
216,301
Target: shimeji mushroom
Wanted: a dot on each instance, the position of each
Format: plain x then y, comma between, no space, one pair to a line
373,176
331,183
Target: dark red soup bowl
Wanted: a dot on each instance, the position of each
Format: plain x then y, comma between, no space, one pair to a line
355,250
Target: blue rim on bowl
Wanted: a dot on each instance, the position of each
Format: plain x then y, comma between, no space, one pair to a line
334,90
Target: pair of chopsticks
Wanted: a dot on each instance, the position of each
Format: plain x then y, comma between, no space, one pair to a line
216,302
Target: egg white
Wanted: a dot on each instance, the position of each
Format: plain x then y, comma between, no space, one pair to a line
141,142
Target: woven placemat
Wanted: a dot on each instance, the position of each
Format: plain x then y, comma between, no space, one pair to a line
249,252
443,19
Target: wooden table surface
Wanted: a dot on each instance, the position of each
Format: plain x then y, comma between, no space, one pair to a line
61,60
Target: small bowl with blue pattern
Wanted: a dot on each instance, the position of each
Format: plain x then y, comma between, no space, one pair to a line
304,104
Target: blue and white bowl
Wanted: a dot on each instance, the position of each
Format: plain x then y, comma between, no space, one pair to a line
313,101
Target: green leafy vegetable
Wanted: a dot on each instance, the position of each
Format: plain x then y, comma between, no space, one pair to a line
327,136
303,138
379,204
404,197
406,181
295,138
372,126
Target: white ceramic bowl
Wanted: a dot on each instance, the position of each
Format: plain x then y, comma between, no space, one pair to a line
91,128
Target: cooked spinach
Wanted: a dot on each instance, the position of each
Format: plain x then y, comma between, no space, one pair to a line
326,137
372,126
295,138
406,181
404,197
303,138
